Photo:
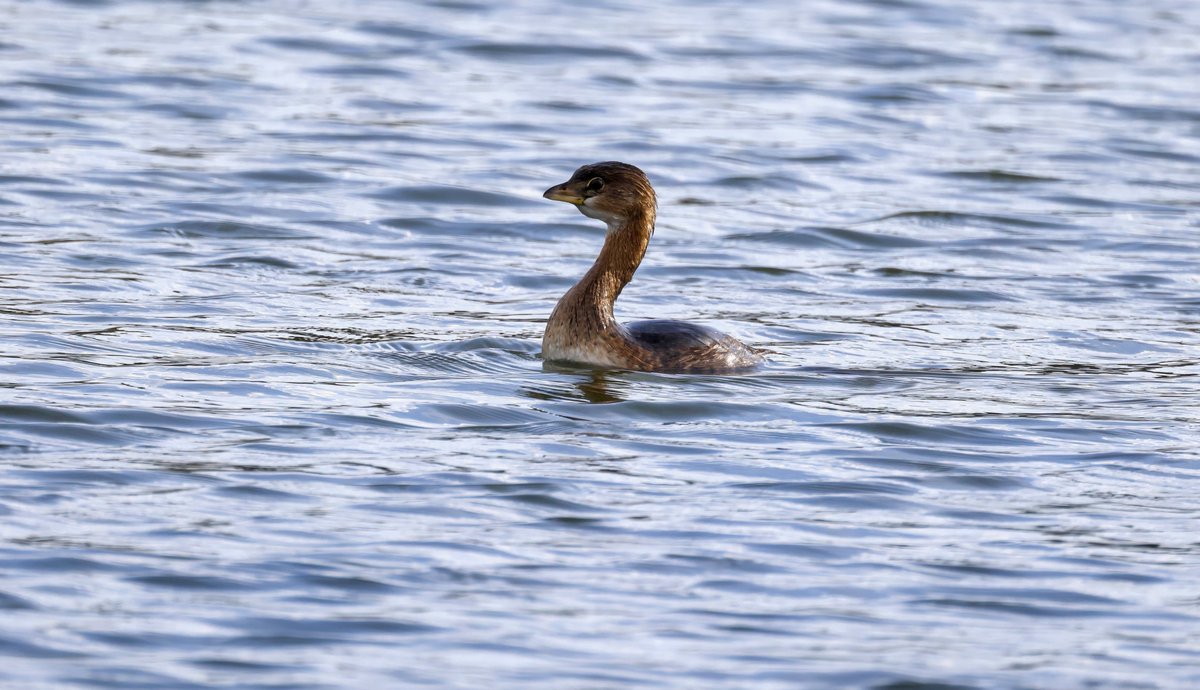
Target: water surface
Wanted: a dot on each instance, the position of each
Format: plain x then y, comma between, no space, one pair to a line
272,412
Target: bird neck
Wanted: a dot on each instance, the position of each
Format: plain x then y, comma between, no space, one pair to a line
624,246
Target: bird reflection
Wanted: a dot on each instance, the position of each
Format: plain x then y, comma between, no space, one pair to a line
595,388
591,385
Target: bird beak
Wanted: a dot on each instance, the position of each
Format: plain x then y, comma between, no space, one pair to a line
560,193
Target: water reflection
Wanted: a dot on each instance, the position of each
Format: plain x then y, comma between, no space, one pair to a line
597,389
593,386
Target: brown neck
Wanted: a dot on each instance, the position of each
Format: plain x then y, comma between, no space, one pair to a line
624,247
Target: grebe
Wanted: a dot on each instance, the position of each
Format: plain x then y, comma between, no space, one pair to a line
582,328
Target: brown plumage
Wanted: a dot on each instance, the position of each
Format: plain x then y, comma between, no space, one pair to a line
582,327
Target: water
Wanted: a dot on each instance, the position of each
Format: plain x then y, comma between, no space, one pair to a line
272,413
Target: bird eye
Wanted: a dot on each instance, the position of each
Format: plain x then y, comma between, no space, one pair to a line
595,184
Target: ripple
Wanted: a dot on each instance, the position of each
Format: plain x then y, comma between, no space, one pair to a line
27,179
401,30
298,630
830,237
248,492
518,51
830,487
474,416
1014,608
938,294
9,602
60,564
820,552
1152,113
946,434
189,111
194,583
893,57
75,88
326,46
548,502
1095,202
27,650
286,175
196,229
441,195
999,176
948,218
362,72
896,93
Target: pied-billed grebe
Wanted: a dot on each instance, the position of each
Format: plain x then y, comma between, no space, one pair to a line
582,328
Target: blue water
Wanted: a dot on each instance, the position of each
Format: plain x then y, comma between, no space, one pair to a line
272,411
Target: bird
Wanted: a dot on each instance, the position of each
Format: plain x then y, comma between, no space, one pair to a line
582,328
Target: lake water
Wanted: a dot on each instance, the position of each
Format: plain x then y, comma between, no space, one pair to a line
272,410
